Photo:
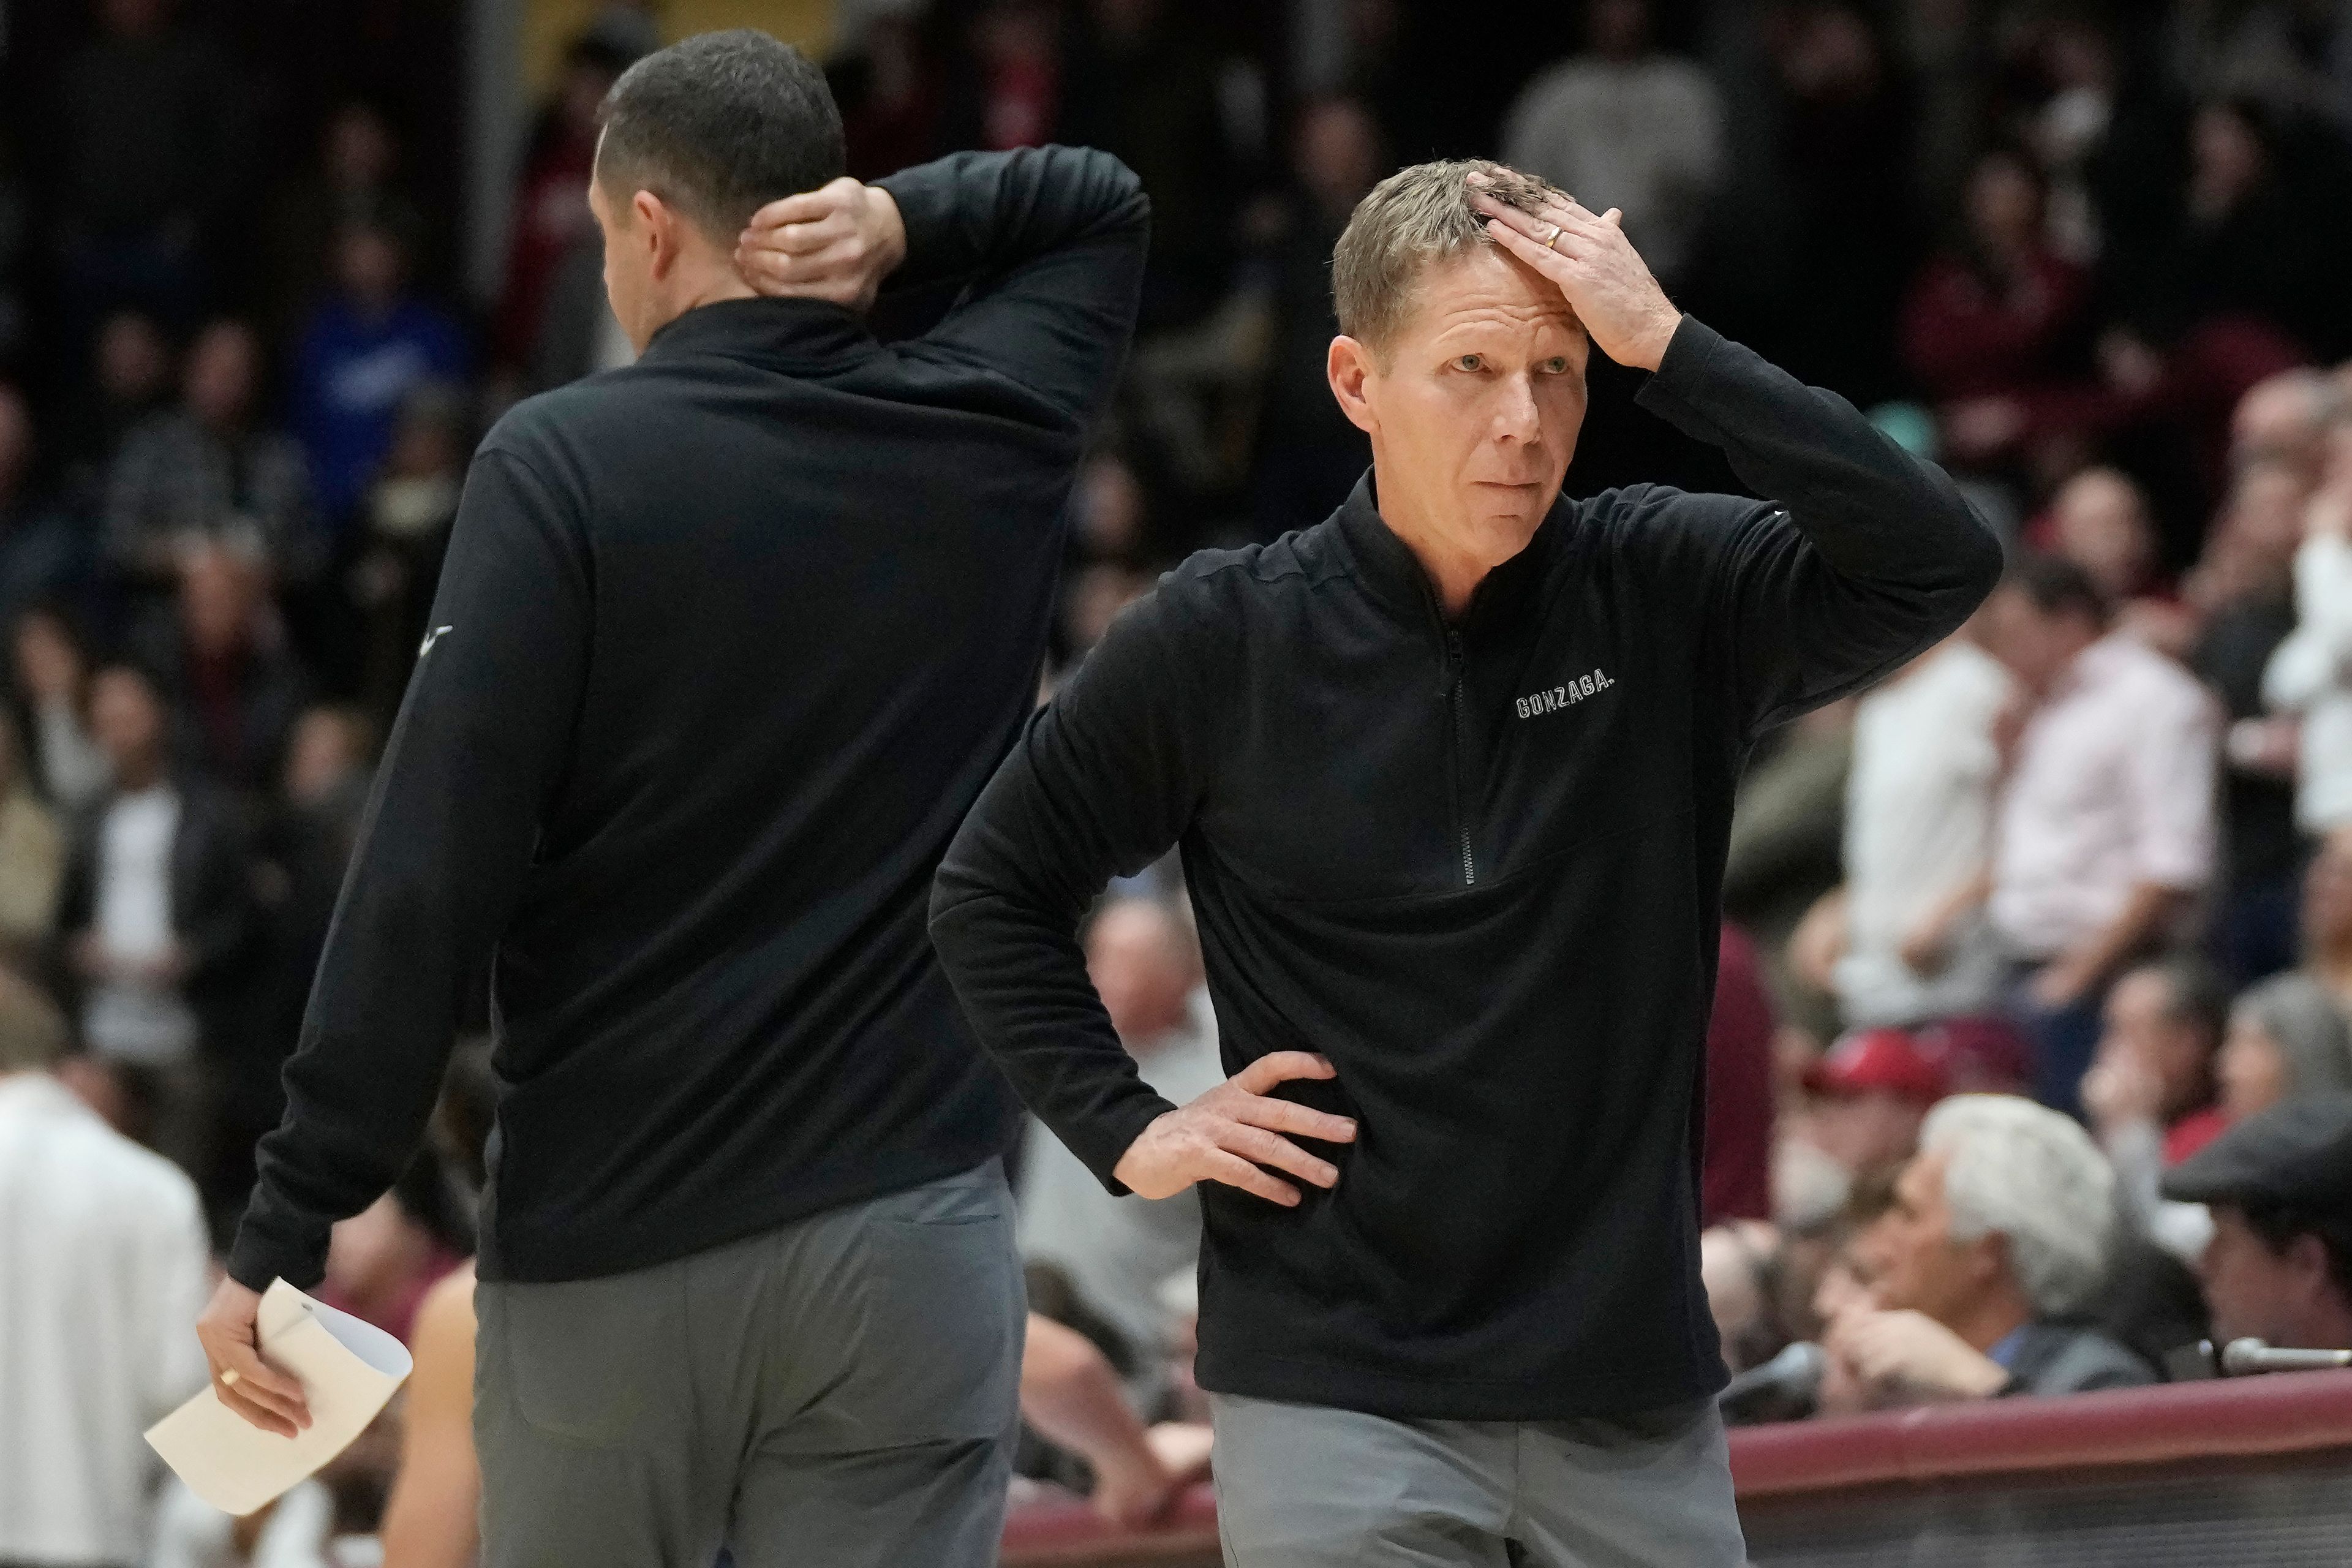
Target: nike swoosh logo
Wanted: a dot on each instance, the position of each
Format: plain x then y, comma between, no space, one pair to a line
430,639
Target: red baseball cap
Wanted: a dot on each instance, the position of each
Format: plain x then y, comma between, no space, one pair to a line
1879,1059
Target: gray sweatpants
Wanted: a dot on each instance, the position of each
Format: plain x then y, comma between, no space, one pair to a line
842,1391
1301,1486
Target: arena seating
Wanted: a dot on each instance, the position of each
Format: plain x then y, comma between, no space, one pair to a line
2254,1473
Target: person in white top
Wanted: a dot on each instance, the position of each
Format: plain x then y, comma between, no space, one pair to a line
2106,831
1116,1252
2311,673
1625,127
102,1267
1919,840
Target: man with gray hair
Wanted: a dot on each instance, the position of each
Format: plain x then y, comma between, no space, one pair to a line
1452,775
2001,1234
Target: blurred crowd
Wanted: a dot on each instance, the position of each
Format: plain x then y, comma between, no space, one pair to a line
2013,943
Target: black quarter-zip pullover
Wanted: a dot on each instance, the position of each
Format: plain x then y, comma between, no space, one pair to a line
1476,865
726,643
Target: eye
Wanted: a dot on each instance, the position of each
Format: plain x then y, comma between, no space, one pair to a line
1556,366
1469,361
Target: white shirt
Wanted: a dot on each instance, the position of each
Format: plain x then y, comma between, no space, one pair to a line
1919,826
128,1019
102,1272
2113,789
1646,135
1118,1251
192,1533
2310,674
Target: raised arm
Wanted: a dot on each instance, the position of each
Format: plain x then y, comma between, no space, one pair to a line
450,829
1104,779
1865,558
1046,243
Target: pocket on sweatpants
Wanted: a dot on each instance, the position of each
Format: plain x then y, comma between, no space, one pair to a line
942,1321
596,1362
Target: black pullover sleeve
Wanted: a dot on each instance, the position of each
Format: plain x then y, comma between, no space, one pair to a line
1102,781
1875,558
1050,242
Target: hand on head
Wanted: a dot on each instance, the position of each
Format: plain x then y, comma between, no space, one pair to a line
1605,279
835,243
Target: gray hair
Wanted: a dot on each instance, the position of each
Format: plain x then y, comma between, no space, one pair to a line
2027,1174
1416,218
2302,1019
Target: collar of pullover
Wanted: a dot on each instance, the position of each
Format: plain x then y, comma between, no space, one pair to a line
801,331
1394,576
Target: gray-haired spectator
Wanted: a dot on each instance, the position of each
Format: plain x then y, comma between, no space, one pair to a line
1116,1251
103,1247
1626,126
2000,1241
209,468
2286,1041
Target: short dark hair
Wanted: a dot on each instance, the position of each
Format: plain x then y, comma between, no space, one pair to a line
2197,994
2279,1224
718,126
2055,586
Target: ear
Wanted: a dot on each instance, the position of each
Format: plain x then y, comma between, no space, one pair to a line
659,225
1352,372
1988,1256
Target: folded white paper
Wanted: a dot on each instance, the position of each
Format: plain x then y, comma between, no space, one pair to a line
348,1368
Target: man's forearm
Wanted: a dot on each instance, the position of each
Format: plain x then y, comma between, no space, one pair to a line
978,211
2138,928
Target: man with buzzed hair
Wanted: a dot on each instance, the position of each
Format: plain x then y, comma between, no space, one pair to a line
727,644
1452,775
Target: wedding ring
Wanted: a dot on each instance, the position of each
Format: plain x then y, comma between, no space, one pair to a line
1551,236
228,1380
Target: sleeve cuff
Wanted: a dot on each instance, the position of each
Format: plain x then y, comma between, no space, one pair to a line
256,1260
1114,1133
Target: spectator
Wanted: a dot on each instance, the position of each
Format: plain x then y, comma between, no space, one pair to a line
209,468
154,917
370,345
51,688
1308,455
1996,328
430,1519
2099,520
1785,848
149,132
2307,674
406,523
1999,1241
32,858
1736,1264
1735,1164
2280,1187
129,378
1625,126
103,1253
234,690
1874,1090
1116,1252
2107,829
2286,1041
1010,94
2284,419
353,180
305,842
2247,614
1918,842
1070,1394
292,1532
1142,83
2150,1092
2327,917
551,205
40,548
